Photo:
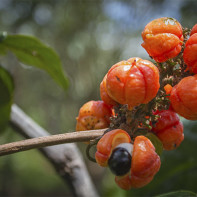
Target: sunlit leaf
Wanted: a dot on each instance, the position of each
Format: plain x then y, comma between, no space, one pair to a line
6,98
30,51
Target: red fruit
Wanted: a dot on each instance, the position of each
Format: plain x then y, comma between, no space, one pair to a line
108,142
145,164
133,82
194,30
93,115
184,98
163,38
168,129
104,95
190,53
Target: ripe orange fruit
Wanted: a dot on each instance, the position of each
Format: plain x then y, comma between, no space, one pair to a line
184,98
190,53
133,82
168,129
104,95
163,38
194,30
93,115
145,164
108,142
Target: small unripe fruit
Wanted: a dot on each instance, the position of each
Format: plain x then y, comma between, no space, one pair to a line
168,89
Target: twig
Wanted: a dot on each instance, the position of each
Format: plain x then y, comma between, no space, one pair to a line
51,140
65,158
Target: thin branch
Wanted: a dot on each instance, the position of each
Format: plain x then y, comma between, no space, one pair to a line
51,140
65,158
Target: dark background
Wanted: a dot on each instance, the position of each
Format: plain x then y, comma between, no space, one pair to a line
90,36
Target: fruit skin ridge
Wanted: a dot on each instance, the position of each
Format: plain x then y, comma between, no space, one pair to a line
133,82
163,38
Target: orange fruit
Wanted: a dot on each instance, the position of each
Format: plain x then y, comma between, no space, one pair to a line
108,142
184,98
163,38
133,82
190,53
194,30
104,95
93,115
145,164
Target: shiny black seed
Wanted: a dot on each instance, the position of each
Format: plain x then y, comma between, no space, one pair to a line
120,161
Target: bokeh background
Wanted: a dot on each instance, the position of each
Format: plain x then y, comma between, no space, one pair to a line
89,36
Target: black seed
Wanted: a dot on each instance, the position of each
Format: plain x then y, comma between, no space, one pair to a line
120,161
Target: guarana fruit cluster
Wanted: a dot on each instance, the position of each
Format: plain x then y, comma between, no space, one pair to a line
141,101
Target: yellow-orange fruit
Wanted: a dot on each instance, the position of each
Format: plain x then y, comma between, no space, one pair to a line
145,164
184,98
133,82
93,115
163,38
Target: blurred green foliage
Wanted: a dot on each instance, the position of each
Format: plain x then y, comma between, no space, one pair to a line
181,193
7,91
31,52
89,36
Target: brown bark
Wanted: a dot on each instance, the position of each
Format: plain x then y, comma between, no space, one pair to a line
40,142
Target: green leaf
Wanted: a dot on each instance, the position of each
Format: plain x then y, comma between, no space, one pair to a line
30,51
156,142
6,99
180,193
